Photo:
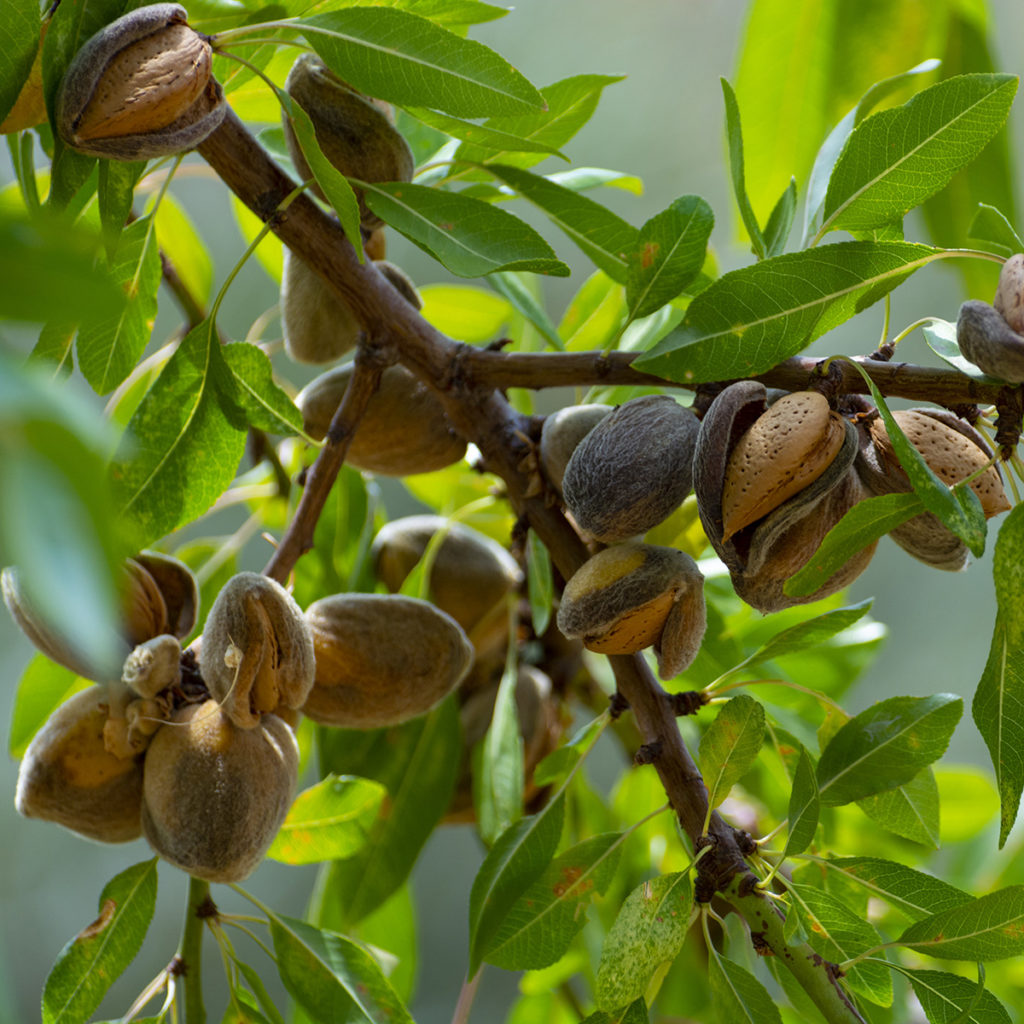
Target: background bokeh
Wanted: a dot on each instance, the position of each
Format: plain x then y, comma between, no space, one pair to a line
663,123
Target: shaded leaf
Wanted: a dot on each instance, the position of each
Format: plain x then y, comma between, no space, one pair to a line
886,745
43,687
19,43
809,633
539,926
668,254
115,193
998,707
481,135
897,158
634,1013
780,221
988,928
184,248
917,894
398,56
862,525
942,340
730,745
752,319
602,235
951,999
517,291
992,225
468,236
97,956
540,582
328,821
738,995
804,807
734,133
910,810
265,404
649,930
560,762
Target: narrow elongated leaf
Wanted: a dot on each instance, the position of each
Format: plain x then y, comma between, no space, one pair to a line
730,746
332,977
838,934
328,821
668,254
539,926
998,707
185,248
649,930
734,133
418,762
886,745
184,442
751,319
897,158
481,135
96,957
468,236
516,860
910,810
19,42
952,999
266,405
738,996
862,525
992,225
917,894
804,806
560,762
602,235
810,632
988,928
570,104
401,57
517,291
780,221
116,192
540,582
43,687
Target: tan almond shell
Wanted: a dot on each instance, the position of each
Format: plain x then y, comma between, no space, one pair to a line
382,659
68,776
215,795
632,470
785,450
257,652
1009,297
403,431
621,599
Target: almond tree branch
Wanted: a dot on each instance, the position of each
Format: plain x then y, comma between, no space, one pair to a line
482,415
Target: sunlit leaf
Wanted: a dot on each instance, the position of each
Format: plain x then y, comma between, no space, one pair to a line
730,746
988,928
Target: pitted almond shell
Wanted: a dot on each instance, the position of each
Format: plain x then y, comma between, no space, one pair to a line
785,450
623,599
69,776
950,453
1009,298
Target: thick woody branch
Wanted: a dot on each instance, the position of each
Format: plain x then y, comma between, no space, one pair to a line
481,414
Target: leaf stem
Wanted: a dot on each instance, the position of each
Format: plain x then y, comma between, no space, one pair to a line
466,996
190,949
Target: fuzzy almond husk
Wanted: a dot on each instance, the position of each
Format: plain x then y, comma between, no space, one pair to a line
1009,297
214,795
561,434
382,659
988,341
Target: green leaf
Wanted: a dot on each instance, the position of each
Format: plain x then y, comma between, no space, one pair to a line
540,582
465,312
997,709
580,179
895,159
738,996
90,963
418,762
804,807
401,57
498,761
886,745
838,934
43,687
19,43
910,810
988,928
540,925
265,404
328,821
668,255
862,525
570,104
557,765
942,340
467,236
482,136
595,314
516,860
184,442
951,999
730,746
602,235
752,319
917,894
734,133
992,225
634,1013
116,192
332,977
649,930
516,289
334,184
185,248
109,348
780,221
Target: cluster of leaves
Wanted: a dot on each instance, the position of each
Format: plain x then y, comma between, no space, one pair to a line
479,130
